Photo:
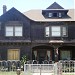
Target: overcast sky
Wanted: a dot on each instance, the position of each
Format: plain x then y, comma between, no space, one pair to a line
25,5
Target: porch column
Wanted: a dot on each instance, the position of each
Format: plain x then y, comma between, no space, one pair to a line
56,54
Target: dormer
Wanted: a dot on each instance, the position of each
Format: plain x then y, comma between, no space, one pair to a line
55,11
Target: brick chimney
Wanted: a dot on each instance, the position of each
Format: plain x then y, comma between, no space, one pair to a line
4,9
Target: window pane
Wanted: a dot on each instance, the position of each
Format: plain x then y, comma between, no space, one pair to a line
50,14
59,14
56,31
9,31
65,55
47,31
18,28
64,31
54,14
18,31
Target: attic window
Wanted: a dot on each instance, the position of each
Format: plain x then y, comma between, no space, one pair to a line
50,14
54,14
59,14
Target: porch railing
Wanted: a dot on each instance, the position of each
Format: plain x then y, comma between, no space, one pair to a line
39,69
68,66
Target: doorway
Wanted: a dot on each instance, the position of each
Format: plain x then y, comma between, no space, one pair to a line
41,56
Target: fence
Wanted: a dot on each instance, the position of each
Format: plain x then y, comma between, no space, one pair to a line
42,69
68,67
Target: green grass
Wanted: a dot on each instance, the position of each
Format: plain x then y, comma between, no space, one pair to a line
22,73
10,73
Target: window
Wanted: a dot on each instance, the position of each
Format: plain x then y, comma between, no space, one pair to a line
54,14
9,31
65,55
13,30
18,31
56,31
13,54
47,31
64,31
59,14
50,14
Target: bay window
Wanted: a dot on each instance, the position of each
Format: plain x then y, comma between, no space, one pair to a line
56,31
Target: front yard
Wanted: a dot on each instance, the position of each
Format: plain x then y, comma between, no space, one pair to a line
10,73
22,73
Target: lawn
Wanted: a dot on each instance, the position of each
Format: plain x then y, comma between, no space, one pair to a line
22,73
10,73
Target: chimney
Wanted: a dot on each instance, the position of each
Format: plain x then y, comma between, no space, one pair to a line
4,9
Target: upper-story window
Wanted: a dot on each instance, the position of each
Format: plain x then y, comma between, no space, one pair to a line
13,31
47,31
55,14
56,31
64,31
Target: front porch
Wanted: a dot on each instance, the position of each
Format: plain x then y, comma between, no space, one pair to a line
50,53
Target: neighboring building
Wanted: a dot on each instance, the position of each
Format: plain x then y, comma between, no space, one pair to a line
39,34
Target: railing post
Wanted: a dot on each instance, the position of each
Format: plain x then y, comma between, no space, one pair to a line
58,68
40,69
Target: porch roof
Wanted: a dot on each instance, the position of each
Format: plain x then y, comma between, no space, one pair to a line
54,41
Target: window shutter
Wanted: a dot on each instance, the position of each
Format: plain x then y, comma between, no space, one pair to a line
47,31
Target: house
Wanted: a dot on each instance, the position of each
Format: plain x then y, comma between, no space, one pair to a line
39,34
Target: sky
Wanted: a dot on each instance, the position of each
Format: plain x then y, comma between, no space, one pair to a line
26,5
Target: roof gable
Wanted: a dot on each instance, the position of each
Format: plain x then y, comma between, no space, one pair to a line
55,6
12,14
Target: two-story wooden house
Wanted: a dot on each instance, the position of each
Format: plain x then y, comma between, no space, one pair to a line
39,34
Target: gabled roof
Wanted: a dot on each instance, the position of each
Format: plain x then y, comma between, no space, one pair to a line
12,13
36,15
55,6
